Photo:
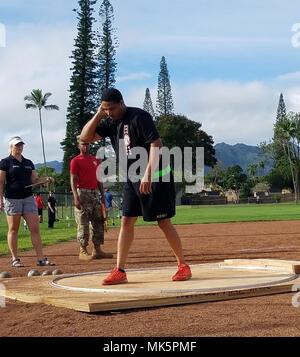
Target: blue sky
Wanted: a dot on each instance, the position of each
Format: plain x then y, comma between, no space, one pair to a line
228,63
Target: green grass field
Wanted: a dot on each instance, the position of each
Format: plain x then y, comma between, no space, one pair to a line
61,233
237,213
66,229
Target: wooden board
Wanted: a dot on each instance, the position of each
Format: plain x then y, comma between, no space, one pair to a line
231,279
292,266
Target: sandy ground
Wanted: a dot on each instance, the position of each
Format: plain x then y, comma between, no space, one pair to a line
262,316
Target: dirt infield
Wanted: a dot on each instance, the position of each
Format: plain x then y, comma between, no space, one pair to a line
262,316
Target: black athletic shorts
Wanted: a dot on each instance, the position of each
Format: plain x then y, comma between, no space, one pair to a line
158,205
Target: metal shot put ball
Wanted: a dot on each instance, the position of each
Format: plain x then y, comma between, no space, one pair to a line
33,272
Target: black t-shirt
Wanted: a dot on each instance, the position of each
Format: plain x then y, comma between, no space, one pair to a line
136,128
52,202
18,175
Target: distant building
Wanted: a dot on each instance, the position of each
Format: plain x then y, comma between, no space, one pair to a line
261,189
231,196
286,191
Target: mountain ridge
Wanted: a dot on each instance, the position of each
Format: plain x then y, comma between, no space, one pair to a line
226,154
239,154
56,165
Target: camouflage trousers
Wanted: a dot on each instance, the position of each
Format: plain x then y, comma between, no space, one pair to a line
89,218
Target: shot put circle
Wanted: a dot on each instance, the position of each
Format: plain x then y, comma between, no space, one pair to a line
57,272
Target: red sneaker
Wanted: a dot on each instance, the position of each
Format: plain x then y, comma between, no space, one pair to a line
183,273
115,277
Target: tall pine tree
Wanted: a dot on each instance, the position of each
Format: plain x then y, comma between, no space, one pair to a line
107,48
164,103
147,106
281,110
280,173
83,86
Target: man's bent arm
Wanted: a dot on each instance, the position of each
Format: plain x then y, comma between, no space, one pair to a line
88,133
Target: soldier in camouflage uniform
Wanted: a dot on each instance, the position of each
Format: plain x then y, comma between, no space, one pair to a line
85,188
89,218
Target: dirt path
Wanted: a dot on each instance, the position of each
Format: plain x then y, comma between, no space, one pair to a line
262,316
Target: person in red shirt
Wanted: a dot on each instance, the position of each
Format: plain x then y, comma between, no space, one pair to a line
85,188
40,205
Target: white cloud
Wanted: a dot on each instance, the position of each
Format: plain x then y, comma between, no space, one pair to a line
172,42
2,35
292,99
235,112
133,77
289,77
35,57
290,87
230,111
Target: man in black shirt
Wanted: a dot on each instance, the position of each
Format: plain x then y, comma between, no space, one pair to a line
51,210
130,128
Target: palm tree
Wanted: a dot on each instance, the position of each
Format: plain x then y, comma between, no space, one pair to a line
251,169
38,101
261,166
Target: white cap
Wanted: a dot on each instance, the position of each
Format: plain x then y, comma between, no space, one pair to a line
15,140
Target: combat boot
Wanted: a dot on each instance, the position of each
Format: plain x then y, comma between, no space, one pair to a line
84,255
99,254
